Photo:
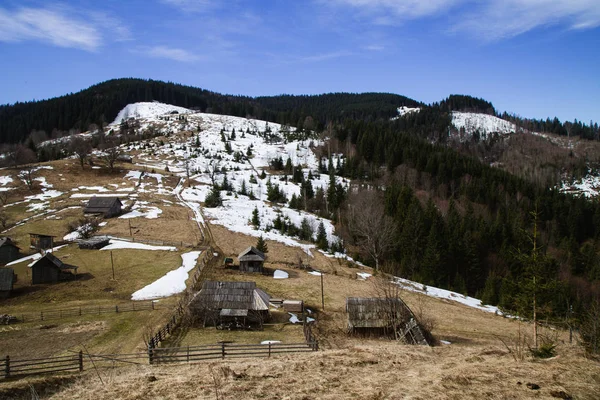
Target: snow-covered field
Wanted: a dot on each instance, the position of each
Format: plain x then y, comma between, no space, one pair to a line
171,283
588,186
483,123
147,110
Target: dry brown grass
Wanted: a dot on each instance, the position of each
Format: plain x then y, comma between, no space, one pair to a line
374,371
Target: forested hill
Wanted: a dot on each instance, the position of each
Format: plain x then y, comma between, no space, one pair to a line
100,104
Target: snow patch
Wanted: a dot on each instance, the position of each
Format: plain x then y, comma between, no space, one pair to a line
119,244
147,110
279,274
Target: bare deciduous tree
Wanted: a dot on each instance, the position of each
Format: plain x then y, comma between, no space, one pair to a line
373,230
17,154
111,153
80,147
27,175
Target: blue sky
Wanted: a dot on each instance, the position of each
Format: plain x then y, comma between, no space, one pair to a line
536,58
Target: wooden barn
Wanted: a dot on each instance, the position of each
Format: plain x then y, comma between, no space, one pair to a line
9,251
49,269
41,241
7,280
251,260
225,302
106,206
388,317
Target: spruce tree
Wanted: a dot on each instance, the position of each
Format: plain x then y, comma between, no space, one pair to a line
255,218
261,245
322,237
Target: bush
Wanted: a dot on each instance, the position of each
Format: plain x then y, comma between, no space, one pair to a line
213,199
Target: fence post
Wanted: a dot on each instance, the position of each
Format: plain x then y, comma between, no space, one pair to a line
80,310
80,360
150,353
269,350
152,302
188,353
133,306
7,367
42,315
117,309
222,349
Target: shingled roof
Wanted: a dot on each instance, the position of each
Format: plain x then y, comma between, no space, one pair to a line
251,254
374,312
7,278
100,204
54,260
217,295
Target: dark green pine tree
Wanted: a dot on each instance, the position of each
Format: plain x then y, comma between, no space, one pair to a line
255,218
322,242
261,245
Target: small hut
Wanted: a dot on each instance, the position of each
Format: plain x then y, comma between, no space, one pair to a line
106,206
252,260
49,269
224,302
41,241
7,280
9,251
385,316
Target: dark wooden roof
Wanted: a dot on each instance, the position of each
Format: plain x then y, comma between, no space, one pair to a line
251,254
6,241
40,234
101,204
57,262
7,276
217,295
373,312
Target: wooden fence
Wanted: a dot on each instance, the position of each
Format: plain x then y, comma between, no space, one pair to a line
225,350
73,312
39,366
163,332
309,336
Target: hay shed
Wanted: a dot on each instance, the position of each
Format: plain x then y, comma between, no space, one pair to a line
40,241
9,251
7,280
50,269
295,306
106,206
252,260
219,301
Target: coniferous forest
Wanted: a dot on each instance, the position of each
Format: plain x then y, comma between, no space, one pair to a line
459,223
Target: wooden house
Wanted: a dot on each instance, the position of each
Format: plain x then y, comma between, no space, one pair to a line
7,280
106,206
40,241
251,260
223,302
376,316
49,269
9,251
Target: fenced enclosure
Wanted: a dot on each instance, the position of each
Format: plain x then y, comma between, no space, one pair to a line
46,315
225,350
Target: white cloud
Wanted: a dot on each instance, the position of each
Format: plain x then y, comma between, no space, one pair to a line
488,20
509,18
50,26
60,26
170,53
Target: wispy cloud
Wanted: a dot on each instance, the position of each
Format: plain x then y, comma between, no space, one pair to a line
60,26
508,18
49,26
170,53
487,20
192,5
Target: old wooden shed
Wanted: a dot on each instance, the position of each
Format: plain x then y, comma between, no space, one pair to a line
106,206
252,260
7,280
218,302
9,251
40,241
49,269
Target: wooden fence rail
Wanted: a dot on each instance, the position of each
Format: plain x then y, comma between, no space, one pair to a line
225,350
73,312
39,366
